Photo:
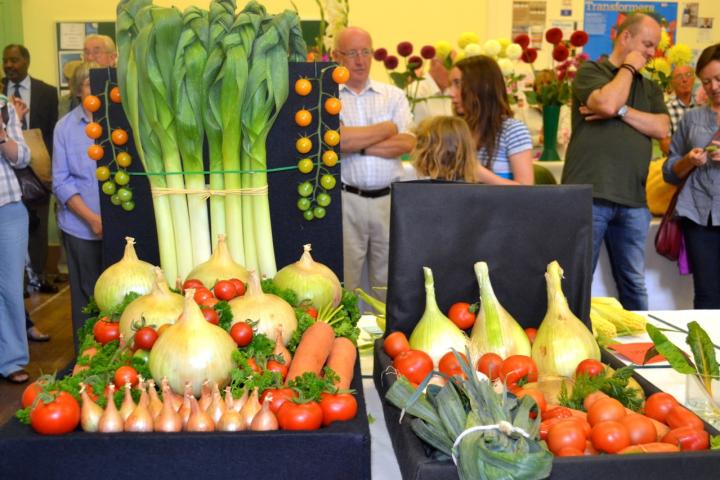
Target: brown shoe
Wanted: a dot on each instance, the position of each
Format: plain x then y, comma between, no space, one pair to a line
21,376
35,335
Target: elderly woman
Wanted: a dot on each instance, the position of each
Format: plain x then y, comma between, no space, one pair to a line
695,158
14,153
76,188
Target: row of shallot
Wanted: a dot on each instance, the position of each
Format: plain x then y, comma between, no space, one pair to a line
175,413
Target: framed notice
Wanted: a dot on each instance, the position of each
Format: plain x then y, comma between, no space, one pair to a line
529,17
70,37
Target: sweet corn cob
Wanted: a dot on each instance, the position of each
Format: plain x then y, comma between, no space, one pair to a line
626,322
601,327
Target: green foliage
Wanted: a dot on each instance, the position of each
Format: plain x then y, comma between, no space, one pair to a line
224,314
615,385
309,386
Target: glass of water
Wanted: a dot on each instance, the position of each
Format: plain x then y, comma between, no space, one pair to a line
704,403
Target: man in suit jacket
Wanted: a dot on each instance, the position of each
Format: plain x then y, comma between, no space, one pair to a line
42,100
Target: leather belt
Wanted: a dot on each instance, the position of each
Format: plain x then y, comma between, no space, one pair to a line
366,193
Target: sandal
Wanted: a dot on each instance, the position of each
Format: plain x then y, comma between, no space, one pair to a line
21,376
35,335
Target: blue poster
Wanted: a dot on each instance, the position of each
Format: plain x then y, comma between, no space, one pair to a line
603,17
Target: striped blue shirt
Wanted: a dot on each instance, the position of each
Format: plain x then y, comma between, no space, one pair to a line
514,138
9,186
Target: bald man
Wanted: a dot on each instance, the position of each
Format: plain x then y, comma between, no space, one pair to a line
375,132
682,80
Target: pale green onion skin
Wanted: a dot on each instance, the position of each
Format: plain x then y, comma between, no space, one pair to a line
312,281
435,334
562,341
130,274
220,266
495,330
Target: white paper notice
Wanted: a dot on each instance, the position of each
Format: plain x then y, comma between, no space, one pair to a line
72,36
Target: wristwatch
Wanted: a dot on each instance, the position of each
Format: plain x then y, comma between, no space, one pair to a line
623,111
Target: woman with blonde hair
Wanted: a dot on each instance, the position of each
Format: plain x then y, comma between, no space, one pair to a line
445,150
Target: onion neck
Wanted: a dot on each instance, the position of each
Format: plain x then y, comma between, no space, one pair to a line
490,307
254,288
306,261
557,303
130,253
431,305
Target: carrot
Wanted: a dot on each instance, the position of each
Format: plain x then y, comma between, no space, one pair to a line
342,361
654,447
312,351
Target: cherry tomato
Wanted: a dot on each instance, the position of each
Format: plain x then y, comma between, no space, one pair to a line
93,130
278,396
557,412
329,158
536,395
450,366
680,416
225,290
210,315
395,343
658,405
331,137
96,152
413,364
119,136
242,333
254,366
102,173
491,365
328,181
145,338
275,366
641,428
124,375
239,286
56,417
123,159
121,177
109,187
604,410
531,333
461,315
303,145
304,204
323,199
688,438
517,370
305,189
333,106
192,283
106,331
610,437
337,407
115,200
305,165
124,195
128,205
319,212
202,295
92,103
303,87
340,74
590,367
30,393
312,311
566,434
303,118
115,95
300,416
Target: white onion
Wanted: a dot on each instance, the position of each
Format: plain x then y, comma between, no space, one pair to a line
312,281
220,266
128,275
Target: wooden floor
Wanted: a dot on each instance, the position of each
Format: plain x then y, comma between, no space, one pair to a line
51,314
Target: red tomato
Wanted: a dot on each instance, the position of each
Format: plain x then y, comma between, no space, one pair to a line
278,396
242,333
680,416
592,398
145,338
413,364
570,452
192,283
531,333
275,366
536,395
450,366
312,311
462,315
604,410
253,365
209,302
658,405
641,429
491,365
610,437
106,331
56,417
566,434
300,416
124,375
517,370
210,315
557,412
688,438
590,367
395,343
202,295
337,407
30,393
225,290
590,449
239,286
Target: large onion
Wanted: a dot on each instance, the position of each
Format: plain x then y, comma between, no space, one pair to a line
272,313
312,281
192,350
155,309
128,275
220,266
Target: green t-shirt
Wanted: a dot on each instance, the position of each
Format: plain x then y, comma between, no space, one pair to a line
610,154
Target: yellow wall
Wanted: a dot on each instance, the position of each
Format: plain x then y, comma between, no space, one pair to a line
390,21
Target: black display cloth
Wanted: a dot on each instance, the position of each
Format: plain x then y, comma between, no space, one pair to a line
340,451
290,230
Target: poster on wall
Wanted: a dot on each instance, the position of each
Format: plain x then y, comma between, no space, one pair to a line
602,19
529,18
690,15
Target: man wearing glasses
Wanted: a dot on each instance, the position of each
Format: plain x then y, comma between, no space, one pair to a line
375,121
682,81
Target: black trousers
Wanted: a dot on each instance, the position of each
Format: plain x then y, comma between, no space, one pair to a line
84,260
703,249
38,239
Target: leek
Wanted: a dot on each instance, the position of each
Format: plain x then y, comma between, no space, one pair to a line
189,65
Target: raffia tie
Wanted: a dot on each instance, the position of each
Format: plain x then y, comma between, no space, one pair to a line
207,193
504,426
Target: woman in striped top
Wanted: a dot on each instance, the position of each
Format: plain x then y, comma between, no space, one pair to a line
504,146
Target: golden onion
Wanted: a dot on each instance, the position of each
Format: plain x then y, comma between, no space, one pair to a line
130,274
312,281
220,266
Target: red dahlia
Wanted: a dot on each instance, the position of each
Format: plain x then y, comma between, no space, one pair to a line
529,55
380,54
404,49
578,38
523,40
415,62
554,35
391,61
560,53
427,52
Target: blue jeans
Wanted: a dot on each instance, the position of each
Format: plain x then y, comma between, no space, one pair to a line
14,353
624,230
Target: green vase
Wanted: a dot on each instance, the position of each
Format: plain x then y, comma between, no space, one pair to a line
551,117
